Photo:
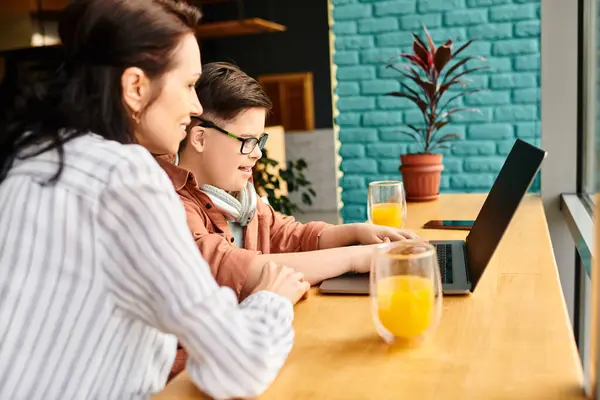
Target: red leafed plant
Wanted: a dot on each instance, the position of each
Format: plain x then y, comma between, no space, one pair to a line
433,75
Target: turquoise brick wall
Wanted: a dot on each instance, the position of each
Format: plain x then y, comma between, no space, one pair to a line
366,31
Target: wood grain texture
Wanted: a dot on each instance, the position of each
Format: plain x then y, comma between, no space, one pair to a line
511,339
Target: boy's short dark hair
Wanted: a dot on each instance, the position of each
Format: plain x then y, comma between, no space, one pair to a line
224,91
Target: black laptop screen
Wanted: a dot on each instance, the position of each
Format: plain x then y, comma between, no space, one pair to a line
513,181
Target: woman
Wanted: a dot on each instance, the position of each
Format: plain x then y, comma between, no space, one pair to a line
99,274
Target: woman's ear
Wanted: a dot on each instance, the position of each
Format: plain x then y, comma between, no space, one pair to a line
136,90
196,139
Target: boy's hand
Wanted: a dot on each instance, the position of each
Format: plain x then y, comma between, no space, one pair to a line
375,234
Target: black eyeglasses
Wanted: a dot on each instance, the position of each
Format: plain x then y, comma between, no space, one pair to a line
248,144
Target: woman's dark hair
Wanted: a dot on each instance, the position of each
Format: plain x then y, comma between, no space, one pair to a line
101,38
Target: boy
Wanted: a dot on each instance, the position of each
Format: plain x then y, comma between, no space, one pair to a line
236,232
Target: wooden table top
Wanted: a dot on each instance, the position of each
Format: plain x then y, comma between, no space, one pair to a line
511,339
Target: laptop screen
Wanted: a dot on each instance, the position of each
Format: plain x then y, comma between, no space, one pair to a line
513,181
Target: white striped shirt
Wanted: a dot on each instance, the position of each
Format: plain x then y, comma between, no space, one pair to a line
99,276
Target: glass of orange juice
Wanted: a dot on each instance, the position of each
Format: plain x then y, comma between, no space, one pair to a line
406,291
387,203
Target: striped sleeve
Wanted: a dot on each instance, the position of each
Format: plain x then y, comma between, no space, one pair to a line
155,273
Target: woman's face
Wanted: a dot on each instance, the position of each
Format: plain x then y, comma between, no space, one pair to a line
162,125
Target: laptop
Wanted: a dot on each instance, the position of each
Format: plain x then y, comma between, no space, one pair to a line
462,263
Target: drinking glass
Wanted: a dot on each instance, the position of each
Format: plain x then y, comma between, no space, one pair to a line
405,291
387,203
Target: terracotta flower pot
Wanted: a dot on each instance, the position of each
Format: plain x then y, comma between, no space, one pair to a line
421,176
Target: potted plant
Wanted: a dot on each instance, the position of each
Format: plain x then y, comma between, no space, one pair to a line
432,71
268,179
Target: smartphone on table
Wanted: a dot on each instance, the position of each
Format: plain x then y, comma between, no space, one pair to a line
462,224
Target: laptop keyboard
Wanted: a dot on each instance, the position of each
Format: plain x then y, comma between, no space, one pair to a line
444,254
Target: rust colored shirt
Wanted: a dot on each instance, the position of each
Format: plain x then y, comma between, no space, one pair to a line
269,231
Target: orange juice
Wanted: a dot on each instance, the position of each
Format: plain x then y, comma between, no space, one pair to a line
405,304
387,214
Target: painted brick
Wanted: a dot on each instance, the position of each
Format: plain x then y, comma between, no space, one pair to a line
385,150
414,117
527,29
491,131
389,166
524,96
348,151
352,182
356,103
378,55
487,98
452,164
516,113
379,86
442,34
505,147
437,5
373,25
518,80
357,135
393,103
477,82
478,48
527,63
472,181
355,73
455,128
393,134
465,17
394,39
363,165
482,3
491,31
344,28
474,148
444,182
348,119
382,118
345,58
510,103
499,64
414,22
395,8
484,115
355,196
484,164
354,42
528,130
354,213
383,72
515,47
351,11
512,12
347,89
